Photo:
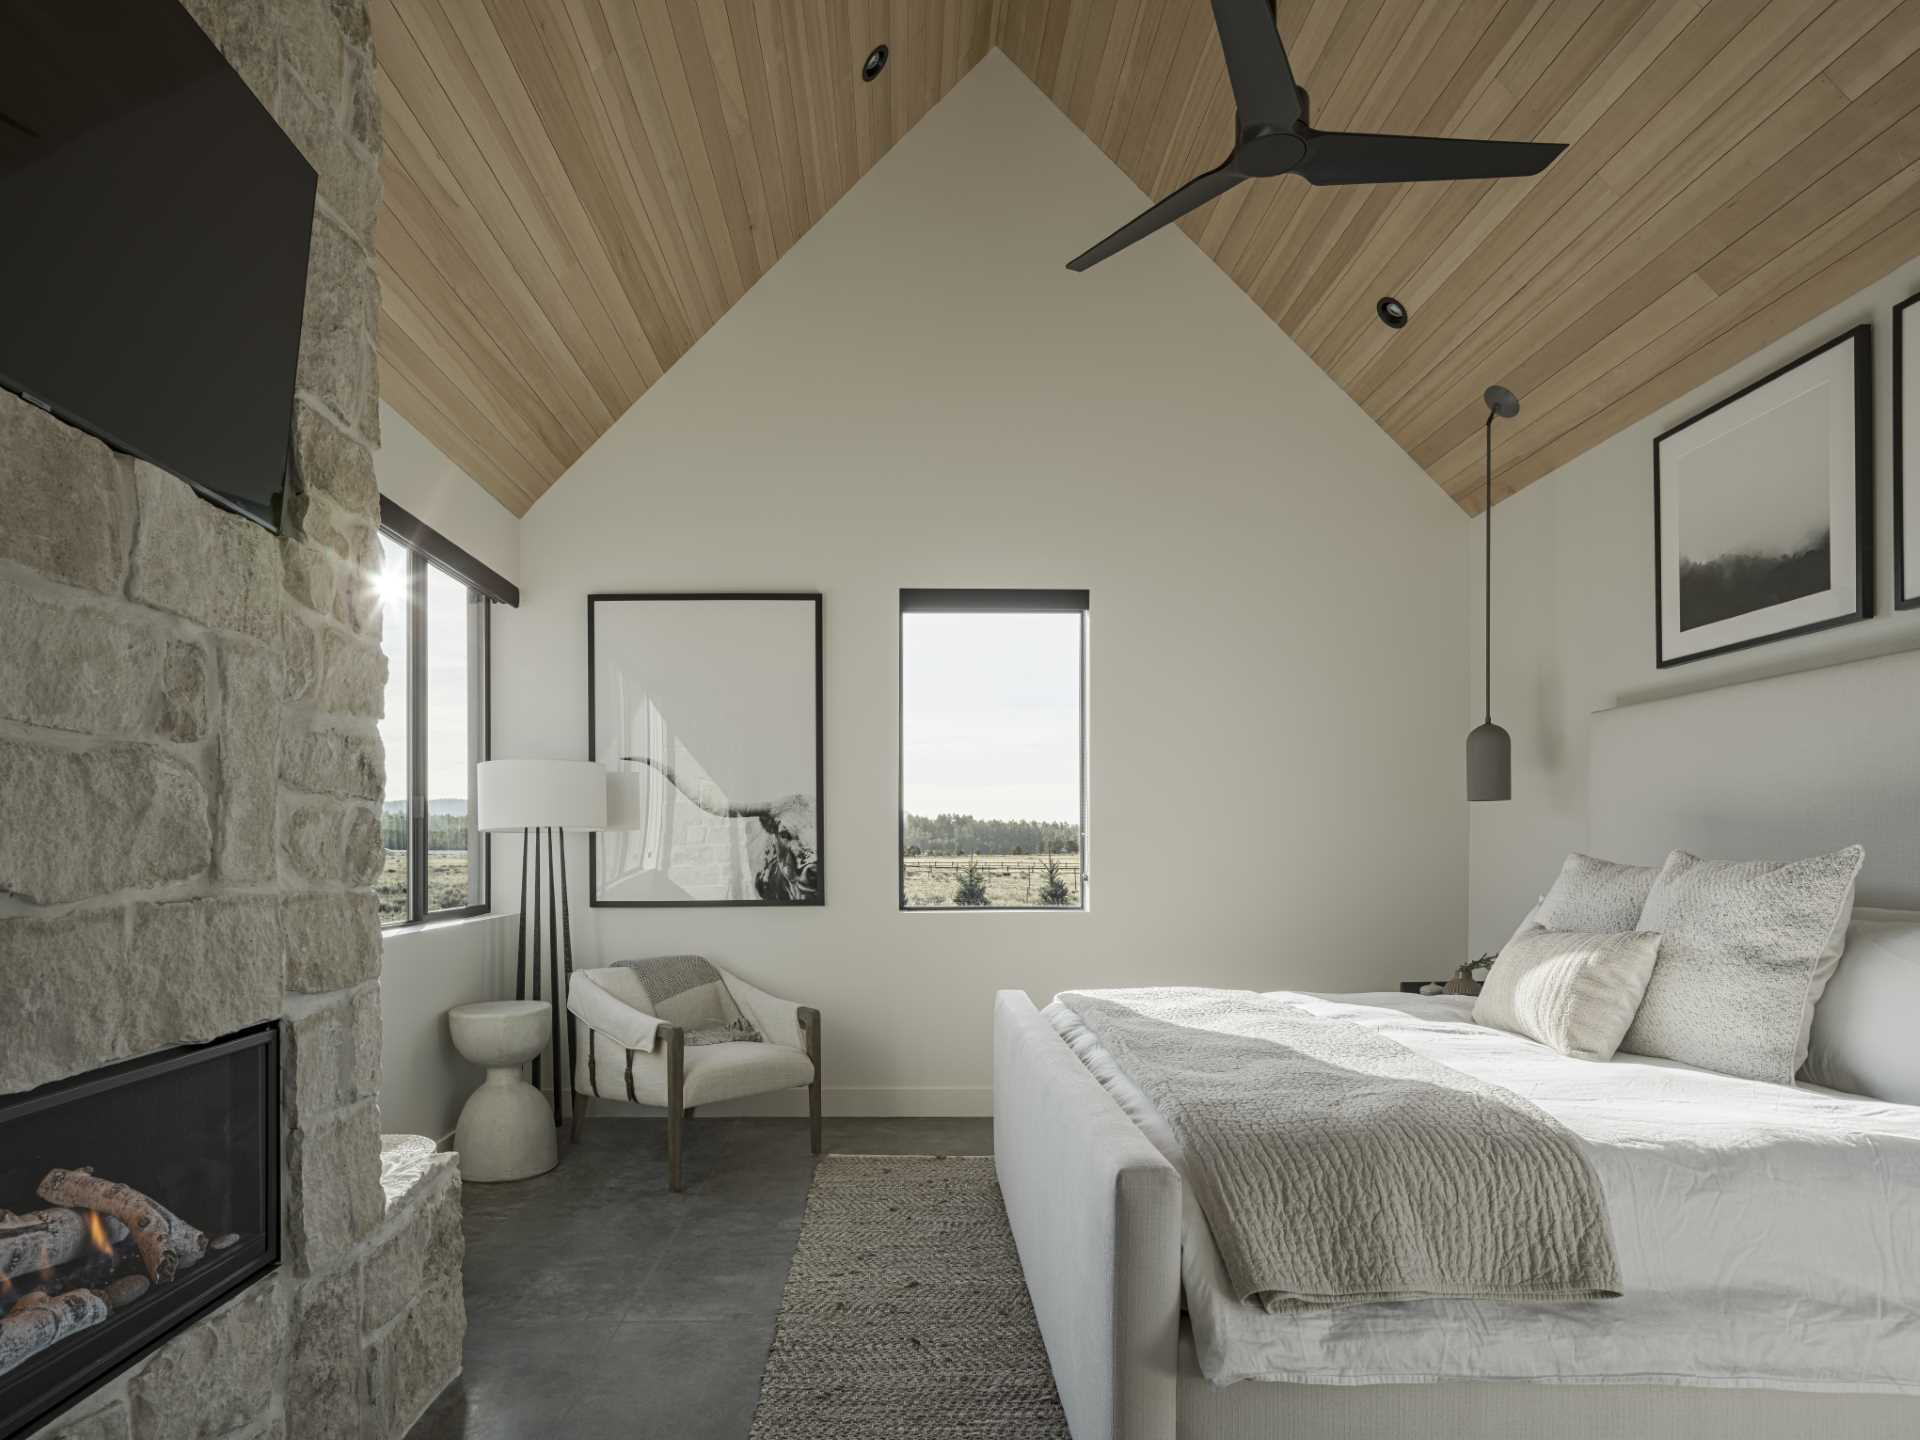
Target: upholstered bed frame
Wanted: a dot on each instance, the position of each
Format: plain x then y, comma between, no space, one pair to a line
1773,768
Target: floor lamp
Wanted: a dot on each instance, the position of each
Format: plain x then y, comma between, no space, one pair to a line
543,799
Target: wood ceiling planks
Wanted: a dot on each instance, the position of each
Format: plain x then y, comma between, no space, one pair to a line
576,190
1734,168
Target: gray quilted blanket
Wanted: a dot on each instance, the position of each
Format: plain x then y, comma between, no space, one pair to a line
1336,1167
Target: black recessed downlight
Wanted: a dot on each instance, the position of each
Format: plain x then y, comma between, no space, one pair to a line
1391,312
876,62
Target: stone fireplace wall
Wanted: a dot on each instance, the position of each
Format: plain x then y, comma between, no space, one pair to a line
190,779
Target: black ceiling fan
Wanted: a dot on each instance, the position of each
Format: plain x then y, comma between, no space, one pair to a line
1275,138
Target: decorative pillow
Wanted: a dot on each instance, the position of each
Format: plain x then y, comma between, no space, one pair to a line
1746,948
1862,1038
1596,897
1574,990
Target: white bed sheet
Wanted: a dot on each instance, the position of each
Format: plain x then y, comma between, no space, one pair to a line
1768,1236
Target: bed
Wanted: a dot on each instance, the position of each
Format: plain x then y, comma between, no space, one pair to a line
1778,1295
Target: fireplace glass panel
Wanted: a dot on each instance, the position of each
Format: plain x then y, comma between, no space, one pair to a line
132,1200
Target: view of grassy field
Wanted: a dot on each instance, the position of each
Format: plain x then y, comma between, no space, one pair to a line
1012,880
446,883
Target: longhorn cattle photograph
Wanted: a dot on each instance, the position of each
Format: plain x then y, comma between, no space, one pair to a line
705,709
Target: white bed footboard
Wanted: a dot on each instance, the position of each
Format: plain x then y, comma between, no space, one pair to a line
1095,1211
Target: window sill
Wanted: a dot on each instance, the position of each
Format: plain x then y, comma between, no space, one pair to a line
438,922
993,909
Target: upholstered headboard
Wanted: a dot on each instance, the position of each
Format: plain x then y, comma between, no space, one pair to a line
1769,770
1773,770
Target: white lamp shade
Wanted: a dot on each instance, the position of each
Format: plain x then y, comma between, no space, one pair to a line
529,794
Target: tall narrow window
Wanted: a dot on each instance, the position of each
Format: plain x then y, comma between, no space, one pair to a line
993,808
394,887
434,628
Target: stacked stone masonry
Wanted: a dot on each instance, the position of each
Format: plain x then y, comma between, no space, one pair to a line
190,781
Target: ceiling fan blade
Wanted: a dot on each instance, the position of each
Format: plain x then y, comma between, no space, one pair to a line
1190,196
1264,91
1351,158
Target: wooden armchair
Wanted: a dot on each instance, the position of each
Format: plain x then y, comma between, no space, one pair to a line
627,1054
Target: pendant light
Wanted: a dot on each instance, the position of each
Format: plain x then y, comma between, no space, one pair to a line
1489,748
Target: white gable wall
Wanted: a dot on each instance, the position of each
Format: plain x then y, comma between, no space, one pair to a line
920,394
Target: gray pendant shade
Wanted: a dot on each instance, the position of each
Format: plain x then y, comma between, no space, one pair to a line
1489,748
1489,763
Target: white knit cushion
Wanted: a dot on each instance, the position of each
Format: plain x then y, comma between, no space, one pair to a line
1596,897
1745,950
1573,990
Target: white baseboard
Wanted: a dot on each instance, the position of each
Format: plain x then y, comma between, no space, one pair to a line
880,1101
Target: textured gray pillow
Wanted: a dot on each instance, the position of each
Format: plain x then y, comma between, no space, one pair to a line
1570,989
1745,950
1595,897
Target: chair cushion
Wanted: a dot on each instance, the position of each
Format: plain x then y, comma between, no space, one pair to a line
742,1067
713,1072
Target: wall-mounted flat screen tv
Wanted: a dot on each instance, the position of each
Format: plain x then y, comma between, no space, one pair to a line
154,225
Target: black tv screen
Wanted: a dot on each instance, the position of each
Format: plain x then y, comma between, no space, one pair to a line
154,224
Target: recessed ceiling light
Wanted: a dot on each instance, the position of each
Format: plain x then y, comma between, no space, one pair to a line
876,62
1391,312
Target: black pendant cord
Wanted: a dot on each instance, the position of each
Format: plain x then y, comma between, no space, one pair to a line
566,939
1487,667
553,986
520,963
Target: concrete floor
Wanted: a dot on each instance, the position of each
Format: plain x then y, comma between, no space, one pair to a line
599,1303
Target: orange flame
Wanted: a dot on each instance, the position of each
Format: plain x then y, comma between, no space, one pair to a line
97,1233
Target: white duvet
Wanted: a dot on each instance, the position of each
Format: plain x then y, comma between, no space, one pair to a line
1767,1236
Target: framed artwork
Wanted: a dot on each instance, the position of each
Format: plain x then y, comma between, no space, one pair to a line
1763,508
706,711
1906,455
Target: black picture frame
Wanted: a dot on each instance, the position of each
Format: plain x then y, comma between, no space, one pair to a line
1860,340
814,598
1902,378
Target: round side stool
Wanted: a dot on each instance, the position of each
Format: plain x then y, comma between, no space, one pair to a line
506,1128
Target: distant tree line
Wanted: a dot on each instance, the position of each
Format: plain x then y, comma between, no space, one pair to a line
444,832
964,835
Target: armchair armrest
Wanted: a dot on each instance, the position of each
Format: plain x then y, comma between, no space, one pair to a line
613,1017
777,1020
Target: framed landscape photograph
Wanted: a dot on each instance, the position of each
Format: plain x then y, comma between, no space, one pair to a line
1763,508
1906,455
706,711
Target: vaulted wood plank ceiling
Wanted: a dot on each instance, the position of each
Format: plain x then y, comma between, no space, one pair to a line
1734,168
577,189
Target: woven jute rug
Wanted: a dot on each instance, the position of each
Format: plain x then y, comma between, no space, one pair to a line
905,1312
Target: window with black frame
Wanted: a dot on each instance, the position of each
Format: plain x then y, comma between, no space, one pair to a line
993,754
434,601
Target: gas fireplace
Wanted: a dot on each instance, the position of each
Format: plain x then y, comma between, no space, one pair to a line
132,1200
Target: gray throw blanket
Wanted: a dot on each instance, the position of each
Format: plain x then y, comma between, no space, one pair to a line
686,990
1336,1166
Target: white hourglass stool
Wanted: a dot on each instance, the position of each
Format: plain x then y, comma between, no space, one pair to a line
506,1128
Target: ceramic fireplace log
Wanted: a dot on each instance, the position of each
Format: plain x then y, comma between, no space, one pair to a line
41,1320
167,1243
41,1239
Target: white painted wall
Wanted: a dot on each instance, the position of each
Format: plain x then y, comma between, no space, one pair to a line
920,394
427,485
1573,632
429,969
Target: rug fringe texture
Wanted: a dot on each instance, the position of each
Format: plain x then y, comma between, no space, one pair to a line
905,1312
